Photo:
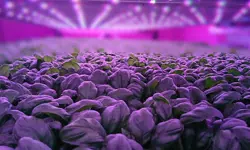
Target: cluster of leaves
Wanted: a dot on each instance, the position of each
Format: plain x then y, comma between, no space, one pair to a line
106,101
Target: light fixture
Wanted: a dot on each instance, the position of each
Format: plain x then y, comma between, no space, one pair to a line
25,10
138,8
152,1
115,1
10,14
44,5
10,5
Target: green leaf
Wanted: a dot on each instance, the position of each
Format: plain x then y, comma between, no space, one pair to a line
48,58
106,67
234,71
71,64
130,62
209,82
180,72
38,57
162,99
164,66
76,52
153,85
52,70
203,61
100,50
20,66
172,65
5,70
211,55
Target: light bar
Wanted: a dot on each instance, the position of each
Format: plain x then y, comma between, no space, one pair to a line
79,12
242,11
25,10
9,5
115,1
152,1
63,18
44,5
219,11
161,19
102,16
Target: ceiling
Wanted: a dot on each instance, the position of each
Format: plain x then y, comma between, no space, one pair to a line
126,14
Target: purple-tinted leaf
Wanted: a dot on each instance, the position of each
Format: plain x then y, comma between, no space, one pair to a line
5,106
38,88
83,105
196,95
232,108
51,111
64,101
71,82
243,135
99,77
227,98
178,79
230,123
10,94
141,124
225,140
121,142
199,114
114,116
167,132
83,131
121,94
107,101
6,148
70,93
49,92
120,79
87,90
165,84
162,106
87,114
32,101
34,128
27,143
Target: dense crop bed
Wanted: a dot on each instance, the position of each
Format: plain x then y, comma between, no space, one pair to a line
105,101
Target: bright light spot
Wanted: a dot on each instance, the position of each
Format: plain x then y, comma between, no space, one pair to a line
44,5
193,9
28,18
10,5
137,8
34,13
33,0
152,1
19,16
108,7
243,11
25,10
130,13
248,4
221,3
52,11
116,1
166,9
215,30
153,14
10,14
75,1
188,2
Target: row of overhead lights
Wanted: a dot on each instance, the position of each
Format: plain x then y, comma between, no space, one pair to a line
219,11
22,15
242,12
79,12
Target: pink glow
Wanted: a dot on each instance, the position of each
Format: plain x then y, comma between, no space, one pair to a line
14,31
